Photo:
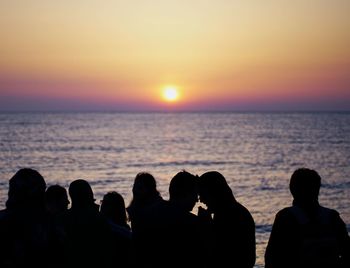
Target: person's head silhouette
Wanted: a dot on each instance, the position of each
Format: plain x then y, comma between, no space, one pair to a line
305,186
81,193
144,188
113,208
26,189
56,199
183,190
214,191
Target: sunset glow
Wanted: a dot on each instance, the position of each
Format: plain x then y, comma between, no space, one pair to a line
170,93
229,55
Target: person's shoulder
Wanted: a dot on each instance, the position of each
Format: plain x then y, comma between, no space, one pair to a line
285,215
4,214
156,212
329,215
243,211
287,211
242,208
329,211
7,215
120,231
157,207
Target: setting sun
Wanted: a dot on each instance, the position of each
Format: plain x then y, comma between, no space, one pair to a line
170,93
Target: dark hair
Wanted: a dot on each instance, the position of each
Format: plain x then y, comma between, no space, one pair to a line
55,192
147,180
305,184
215,183
26,187
113,207
56,199
80,192
144,189
182,184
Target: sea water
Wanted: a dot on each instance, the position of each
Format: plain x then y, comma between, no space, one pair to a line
256,152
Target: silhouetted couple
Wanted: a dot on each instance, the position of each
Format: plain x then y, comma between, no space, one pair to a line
231,237
167,234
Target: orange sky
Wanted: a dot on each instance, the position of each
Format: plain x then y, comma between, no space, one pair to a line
220,54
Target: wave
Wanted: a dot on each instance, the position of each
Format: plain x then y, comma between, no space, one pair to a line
266,228
67,148
340,185
181,163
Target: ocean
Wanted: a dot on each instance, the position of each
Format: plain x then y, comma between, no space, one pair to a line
256,152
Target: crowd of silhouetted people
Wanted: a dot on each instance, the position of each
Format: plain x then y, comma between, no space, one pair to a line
51,227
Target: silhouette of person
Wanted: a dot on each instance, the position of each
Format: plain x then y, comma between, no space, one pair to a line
56,200
113,209
89,239
145,195
24,225
56,204
171,230
307,234
231,233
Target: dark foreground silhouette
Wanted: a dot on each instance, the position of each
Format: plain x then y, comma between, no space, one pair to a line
56,200
113,209
27,239
232,228
171,235
37,229
307,234
145,196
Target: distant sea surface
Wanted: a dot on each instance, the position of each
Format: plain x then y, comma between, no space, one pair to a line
256,152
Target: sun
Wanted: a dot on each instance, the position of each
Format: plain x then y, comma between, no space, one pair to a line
170,93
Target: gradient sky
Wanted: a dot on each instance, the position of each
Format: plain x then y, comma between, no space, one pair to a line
221,54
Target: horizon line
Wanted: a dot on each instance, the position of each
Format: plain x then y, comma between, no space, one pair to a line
175,111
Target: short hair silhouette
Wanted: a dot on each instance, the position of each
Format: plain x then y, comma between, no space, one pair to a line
307,234
55,192
26,187
56,199
305,185
182,184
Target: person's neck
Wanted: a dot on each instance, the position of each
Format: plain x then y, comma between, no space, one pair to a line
310,205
